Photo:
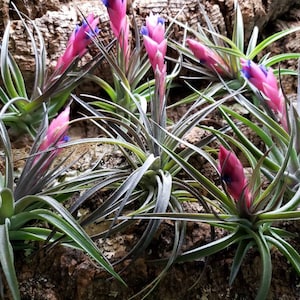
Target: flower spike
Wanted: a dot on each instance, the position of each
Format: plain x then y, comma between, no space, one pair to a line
265,81
78,42
154,41
119,22
57,129
56,135
156,47
207,57
232,173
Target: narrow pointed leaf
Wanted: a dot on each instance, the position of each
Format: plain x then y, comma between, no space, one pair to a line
7,261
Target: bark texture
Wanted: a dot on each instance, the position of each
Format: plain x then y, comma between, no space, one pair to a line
69,274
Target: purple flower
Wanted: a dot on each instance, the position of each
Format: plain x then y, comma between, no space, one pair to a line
78,42
265,81
208,57
232,173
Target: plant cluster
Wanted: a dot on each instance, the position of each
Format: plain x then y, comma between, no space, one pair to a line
158,176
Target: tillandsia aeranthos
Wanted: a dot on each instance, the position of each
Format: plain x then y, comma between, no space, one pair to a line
232,173
265,81
78,42
24,105
119,24
157,175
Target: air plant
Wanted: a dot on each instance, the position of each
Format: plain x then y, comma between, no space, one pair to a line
249,211
249,214
151,180
218,59
133,118
24,109
32,198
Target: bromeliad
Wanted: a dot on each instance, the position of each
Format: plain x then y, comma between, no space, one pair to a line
232,173
119,23
208,57
78,42
265,81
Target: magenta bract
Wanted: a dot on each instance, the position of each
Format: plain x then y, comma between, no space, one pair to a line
265,81
154,41
78,42
232,173
119,22
57,130
207,56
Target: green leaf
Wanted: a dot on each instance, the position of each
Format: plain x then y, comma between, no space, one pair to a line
122,194
210,248
6,204
17,77
279,58
35,234
271,39
8,180
39,51
266,265
253,41
64,222
73,231
4,63
243,247
3,96
280,214
103,84
209,218
279,177
7,260
161,197
77,234
286,249
238,28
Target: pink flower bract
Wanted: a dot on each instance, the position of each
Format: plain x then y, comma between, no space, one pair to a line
57,130
78,42
232,173
265,81
119,22
207,56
